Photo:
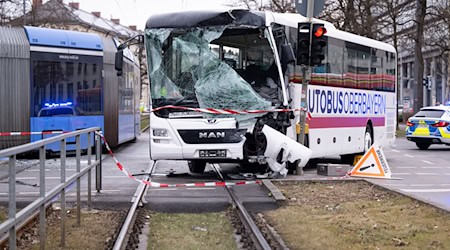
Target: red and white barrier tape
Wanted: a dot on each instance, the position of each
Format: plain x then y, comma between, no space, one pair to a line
32,133
163,185
226,111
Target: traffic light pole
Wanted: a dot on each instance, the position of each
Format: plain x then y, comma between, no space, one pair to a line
306,73
306,77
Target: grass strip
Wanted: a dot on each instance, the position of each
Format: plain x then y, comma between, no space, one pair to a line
357,215
191,231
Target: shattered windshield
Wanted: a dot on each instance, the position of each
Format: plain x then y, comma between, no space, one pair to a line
186,69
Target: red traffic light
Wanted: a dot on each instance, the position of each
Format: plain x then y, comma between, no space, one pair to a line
320,31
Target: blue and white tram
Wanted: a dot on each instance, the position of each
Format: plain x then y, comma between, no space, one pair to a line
73,85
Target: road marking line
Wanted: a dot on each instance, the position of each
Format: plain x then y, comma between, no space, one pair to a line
404,167
410,156
426,173
113,177
431,167
201,188
428,162
25,193
110,191
402,173
4,193
422,185
25,178
425,190
396,151
165,189
395,185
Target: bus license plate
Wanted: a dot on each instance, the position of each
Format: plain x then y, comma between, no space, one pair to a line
213,153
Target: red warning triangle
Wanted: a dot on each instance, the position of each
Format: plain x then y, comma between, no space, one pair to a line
373,164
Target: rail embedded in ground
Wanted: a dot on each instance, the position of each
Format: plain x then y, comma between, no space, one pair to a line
122,238
15,218
257,237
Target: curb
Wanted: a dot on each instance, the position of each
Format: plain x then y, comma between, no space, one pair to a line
276,193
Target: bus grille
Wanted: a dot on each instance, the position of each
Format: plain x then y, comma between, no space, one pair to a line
214,136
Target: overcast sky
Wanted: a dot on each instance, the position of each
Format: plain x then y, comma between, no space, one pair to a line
136,12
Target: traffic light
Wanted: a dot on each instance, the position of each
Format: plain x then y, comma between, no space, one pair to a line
318,44
303,43
429,82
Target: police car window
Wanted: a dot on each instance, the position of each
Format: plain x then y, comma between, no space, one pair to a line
430,113
63,111
46,113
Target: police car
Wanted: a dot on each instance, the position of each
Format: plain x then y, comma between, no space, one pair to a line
431,125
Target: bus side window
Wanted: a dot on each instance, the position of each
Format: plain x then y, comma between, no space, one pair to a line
336,62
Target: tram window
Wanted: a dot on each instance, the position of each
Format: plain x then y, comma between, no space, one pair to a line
60,93
54,83
70,69
70,91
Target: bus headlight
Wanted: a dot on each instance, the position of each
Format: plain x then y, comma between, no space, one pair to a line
160,132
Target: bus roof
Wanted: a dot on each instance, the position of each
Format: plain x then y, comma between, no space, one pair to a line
292,20
201,18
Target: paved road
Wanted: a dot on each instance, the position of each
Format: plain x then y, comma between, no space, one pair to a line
425,173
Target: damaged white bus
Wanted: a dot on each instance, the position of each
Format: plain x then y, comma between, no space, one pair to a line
226,63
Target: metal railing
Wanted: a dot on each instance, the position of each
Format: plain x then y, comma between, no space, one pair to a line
15,218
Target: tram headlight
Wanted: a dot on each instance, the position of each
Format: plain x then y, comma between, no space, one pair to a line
160,132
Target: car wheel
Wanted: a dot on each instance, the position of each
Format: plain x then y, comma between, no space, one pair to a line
197,167
423,146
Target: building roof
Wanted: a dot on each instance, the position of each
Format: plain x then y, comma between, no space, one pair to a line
57,12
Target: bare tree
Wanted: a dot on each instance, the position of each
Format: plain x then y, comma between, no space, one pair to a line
355,16
281,6
421,8
12,9
393,17
439,34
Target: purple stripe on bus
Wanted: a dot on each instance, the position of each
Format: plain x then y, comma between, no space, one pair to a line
343,122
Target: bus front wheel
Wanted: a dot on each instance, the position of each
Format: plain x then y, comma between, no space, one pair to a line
196,166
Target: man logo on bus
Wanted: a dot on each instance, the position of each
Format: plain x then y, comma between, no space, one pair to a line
202,135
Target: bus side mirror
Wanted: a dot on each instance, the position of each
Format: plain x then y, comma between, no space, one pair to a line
287,55
119,62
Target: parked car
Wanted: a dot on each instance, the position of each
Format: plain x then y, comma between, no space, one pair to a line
431,125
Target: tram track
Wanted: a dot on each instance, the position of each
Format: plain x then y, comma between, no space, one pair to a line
251,230
128,235
263,235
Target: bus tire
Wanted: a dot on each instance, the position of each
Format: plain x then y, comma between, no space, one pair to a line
348,159
423,146
197,166
368,138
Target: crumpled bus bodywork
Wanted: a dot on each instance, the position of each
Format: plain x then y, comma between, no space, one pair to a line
227,61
